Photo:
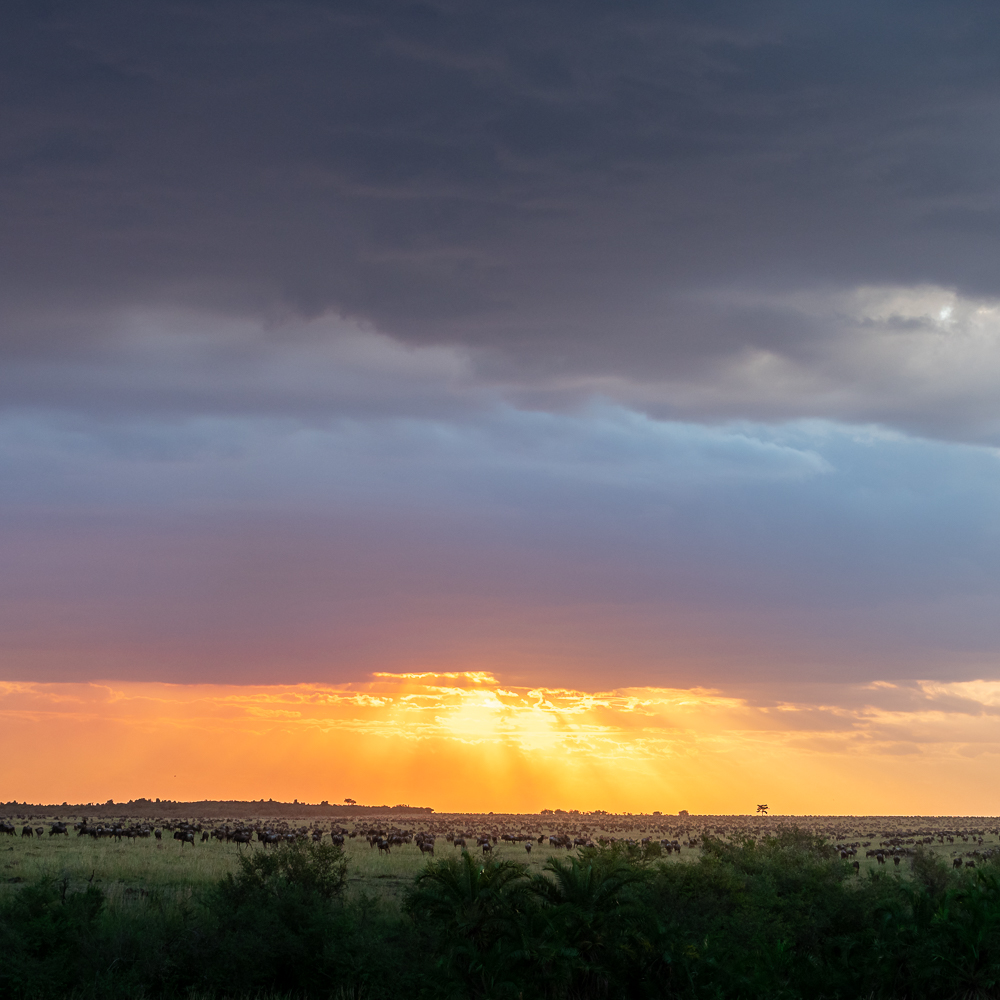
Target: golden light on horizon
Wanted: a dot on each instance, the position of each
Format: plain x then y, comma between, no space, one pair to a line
467,742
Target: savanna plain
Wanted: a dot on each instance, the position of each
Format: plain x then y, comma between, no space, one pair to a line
396,904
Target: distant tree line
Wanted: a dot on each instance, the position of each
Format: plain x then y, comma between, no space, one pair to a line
177,809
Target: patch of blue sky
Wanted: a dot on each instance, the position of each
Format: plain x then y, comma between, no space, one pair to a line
807,508
285,460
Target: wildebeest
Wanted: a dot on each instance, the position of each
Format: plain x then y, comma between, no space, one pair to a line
527,847
58,828
957,863
241,837
487,847
26,831
383,845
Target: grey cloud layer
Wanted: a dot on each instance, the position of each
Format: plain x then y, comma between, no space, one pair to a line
581,191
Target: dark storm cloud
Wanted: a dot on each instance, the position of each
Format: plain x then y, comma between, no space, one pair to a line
582,190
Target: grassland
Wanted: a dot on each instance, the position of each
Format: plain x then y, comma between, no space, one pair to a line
129,871
744,906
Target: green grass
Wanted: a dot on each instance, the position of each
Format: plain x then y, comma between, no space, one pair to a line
131,875
129,872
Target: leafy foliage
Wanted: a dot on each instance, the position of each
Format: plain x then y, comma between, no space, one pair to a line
474,912
778,918
301,868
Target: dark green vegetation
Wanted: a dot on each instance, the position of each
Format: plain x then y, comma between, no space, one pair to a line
781,917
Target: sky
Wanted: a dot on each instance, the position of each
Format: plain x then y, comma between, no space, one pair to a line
601,397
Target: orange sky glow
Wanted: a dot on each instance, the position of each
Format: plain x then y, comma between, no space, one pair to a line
467,742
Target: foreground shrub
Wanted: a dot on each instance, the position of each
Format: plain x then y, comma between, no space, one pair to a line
318,870
475,915
276,920
780,918
46,934
599,922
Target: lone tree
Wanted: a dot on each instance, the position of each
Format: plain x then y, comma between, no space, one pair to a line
350,802
762,809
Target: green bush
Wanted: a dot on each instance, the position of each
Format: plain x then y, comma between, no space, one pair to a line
46,936
275,921
780,918
474,914
302,868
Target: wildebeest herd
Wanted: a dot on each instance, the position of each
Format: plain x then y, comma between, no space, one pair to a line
885,841
184,831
